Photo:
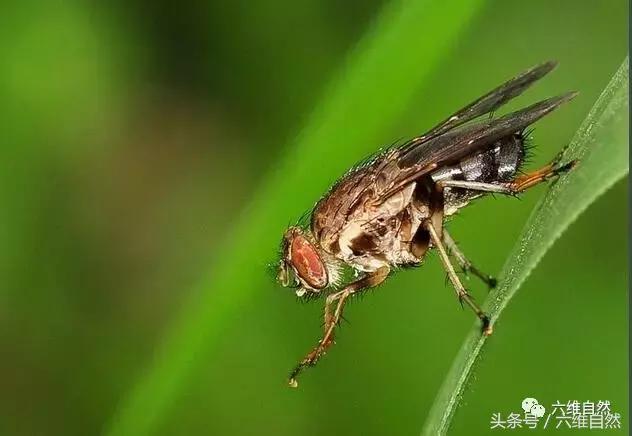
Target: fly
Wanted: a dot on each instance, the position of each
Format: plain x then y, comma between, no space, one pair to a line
390,211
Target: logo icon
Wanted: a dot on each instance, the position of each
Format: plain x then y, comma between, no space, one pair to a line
531,405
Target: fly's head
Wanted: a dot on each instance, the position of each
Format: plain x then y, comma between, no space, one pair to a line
301,265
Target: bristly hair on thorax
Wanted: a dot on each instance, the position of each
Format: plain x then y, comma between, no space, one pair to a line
304,221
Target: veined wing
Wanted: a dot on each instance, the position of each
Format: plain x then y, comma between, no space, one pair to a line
487,103
454,145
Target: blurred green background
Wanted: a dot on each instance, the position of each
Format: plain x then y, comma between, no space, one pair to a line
134,133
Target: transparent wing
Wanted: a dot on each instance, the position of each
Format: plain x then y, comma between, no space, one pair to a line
454,145
488,102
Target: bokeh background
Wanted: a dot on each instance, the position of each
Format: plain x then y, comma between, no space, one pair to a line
135,132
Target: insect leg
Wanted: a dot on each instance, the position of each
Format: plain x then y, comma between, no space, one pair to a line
332,318
456,282
464,262
547,172
501,188
516,186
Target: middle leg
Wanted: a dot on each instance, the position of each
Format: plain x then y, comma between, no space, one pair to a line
466,265
461,292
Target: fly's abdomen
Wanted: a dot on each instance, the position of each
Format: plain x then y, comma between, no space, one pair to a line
497,164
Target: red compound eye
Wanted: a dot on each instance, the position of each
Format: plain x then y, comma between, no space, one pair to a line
307,262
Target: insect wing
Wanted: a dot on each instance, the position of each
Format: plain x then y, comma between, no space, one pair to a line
456,144
488,102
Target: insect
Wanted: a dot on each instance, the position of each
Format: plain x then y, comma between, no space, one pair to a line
389,211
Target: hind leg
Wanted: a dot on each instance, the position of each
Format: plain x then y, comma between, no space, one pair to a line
519,184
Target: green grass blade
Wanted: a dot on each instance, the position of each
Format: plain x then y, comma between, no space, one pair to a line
406,43
601,145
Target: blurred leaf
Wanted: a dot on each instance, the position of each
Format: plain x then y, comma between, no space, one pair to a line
601,145
408,40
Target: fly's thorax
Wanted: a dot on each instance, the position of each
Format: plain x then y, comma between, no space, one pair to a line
381,237
357,247
302,265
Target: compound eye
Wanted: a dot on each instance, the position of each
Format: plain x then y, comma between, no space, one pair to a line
307,262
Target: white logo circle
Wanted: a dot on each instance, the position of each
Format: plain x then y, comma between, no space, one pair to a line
531,405
537,410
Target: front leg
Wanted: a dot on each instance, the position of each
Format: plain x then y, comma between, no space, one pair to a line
333,317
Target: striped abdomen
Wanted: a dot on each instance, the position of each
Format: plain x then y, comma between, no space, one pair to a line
498,164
